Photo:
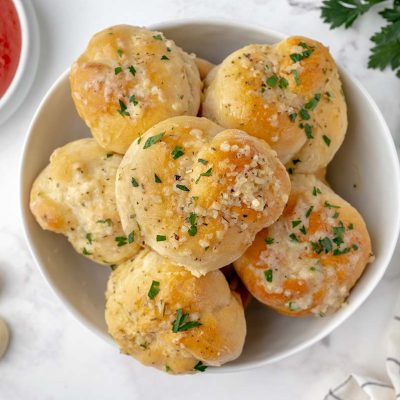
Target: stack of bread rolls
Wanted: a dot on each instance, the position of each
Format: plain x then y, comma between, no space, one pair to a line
204,186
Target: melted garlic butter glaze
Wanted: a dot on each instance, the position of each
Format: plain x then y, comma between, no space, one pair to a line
288,94
200,193
130,78
75,195
144,297
309,259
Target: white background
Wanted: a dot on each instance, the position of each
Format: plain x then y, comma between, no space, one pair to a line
51,356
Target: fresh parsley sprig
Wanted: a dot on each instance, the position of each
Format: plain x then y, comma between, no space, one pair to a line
386,49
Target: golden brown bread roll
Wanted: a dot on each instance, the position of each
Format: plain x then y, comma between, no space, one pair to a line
130,78
75,195
165,317
198,192
288,94
307,261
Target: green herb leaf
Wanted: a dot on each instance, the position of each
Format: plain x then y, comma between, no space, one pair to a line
161,238
269,240
296,57
329,205
293,116
117,70
272,81
311,104
85,252
180,323
338,252
295,223
293,306
200,367
345,12
207,173
192,219
283,83
132,70
350,227
122,108
120,52
133,100
104,221
134,182
316,191
131,237
121,240
153,140
326,244
268,275
202,161
183,187
293,238
309,211
157,179
164,57
177,152
89,238
296,77
303,230
157,37
154,289
327,140
304,114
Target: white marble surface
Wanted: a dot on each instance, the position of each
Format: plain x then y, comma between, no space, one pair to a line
51,356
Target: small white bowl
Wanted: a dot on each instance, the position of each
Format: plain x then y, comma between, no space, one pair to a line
28,60
365,171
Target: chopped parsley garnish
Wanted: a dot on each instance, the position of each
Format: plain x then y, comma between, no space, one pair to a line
329,205
104,221
153,140
307,129
309,211
327,140
350,227
295,223
283,83
121,240
269,240
192,219
177,152
157,37
169,49
338,231
120,52
304,114
161,238
122,108
355,247
85,252
296,77
292,116
311,104
154,289
268,275
164,57
303,230
293,238
181,324
207,173
132,70
157,179
131,237
338,252
134,182
326,244
200,367
272,81
335,215
89,238
296,57
316,247
133,100
202,161
117,70
316,191
183,187
293,306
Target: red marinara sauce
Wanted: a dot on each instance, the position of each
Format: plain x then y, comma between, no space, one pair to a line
10,43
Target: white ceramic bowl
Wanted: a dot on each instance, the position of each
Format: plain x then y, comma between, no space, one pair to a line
28,60
365,172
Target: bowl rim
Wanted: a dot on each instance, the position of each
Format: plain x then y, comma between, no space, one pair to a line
335,322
